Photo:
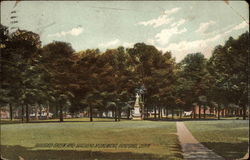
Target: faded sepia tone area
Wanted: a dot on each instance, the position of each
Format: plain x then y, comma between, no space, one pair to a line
124,80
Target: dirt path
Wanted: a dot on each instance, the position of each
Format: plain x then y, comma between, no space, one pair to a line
246,155
191,148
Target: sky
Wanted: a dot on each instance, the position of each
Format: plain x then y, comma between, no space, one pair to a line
181,27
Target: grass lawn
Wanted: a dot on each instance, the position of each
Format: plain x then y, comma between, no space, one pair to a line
228,138
23,140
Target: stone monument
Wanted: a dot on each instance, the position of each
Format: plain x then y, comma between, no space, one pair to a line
137,113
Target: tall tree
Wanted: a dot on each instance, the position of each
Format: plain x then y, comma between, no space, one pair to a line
155,71
229,67
18,66
194,72
58,60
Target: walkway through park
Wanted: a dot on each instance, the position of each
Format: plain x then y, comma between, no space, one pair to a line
191,148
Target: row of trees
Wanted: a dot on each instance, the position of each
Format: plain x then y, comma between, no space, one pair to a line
55,75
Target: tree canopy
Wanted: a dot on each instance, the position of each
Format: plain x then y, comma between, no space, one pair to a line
91,80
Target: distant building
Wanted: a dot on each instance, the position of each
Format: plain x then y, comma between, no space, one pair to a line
4,114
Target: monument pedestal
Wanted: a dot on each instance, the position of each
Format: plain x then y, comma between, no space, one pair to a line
137,114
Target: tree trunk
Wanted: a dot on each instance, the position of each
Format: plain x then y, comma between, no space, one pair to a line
119,114
226,112
116,114
218,112
159,112
90,113
194,112
113,112
244,112
155,112
22,113
240,112
47,114
180,112
36,112
142,112
40,111
166,113
11,112
56,112
204,111
27,113
172,112
61,113
177,113
128,113
199,111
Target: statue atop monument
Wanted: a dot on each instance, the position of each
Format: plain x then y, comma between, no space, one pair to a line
137,100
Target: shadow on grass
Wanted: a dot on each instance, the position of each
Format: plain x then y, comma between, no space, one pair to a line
13,153
34,121
188,119
230,151
177,119
65,121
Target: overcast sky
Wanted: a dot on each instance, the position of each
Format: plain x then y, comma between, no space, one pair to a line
179,27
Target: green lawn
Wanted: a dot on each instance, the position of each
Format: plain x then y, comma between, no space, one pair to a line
22,140
228,138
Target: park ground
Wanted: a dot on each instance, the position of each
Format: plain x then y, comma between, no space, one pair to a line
105,139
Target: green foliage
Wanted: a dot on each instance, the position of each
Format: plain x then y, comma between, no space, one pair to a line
192,79
229,69
57,75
